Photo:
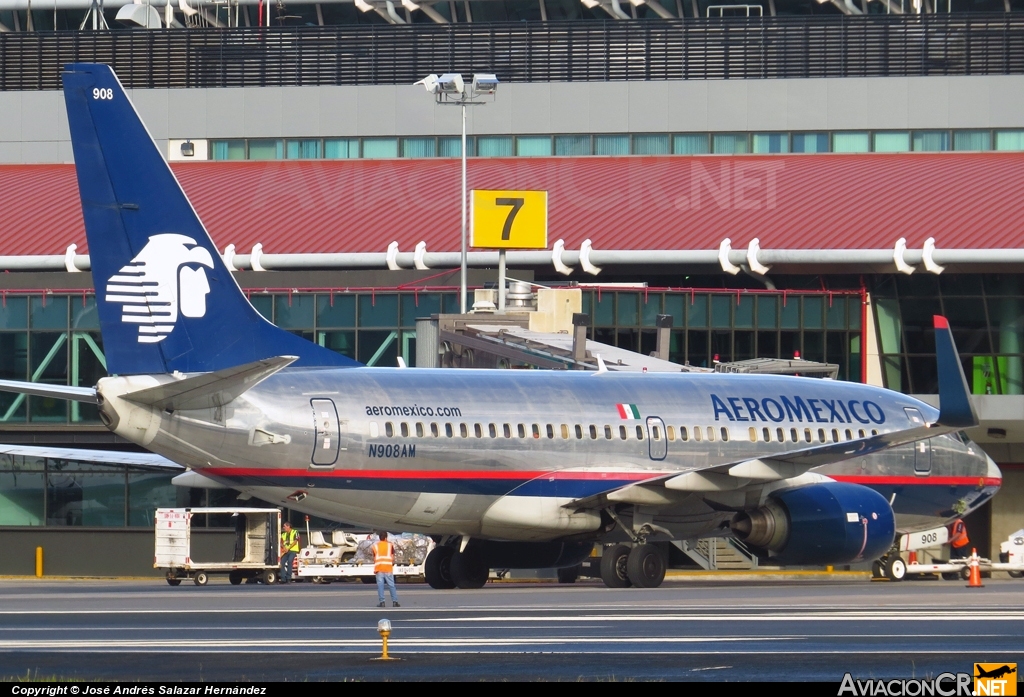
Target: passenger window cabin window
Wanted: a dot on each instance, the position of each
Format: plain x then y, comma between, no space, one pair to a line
622,433
536,430
656,433
464,430
874,431
725,434
711,434
419,429
374,429
522,430
551,431
639,432
389,429
478,431
753,434
807,435
683,434
821,435
434,430
508,430
565,431
793,435
492,431
767,433
579,432
448,430
607,432
671,432
697,433
849,434
405,430
861,432
835,435
593,432
781,434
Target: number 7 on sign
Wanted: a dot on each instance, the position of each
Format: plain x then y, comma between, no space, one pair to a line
496,214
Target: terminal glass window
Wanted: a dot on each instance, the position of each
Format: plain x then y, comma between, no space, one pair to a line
228,149
341,148
419,147
266,150
810,142
307,149
851,142
572,145
611,145
533,146
931,141
972,140
690,144
380,148
892,141
770,142
730,143
1009,140
650,145
494,146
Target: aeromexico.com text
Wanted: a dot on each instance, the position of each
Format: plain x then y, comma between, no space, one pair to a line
811,410
412,410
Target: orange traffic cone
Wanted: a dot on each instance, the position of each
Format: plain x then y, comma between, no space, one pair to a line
913,558
975,578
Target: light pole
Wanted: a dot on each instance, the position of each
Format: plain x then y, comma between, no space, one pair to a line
451,90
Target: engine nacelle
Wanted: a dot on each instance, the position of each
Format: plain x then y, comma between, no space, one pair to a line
828,523
532,555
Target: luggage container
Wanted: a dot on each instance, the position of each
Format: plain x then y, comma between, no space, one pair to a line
256,550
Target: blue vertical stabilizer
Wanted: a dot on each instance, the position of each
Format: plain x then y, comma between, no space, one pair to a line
166,300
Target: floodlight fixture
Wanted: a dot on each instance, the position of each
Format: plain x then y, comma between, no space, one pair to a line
485,83
188,149
451,83
429,83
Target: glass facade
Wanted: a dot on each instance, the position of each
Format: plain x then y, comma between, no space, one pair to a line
583,145
987,317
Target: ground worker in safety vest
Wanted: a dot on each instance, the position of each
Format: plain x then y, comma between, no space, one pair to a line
958,540
384,567
289,550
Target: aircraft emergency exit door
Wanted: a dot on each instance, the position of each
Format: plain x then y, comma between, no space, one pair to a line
328,434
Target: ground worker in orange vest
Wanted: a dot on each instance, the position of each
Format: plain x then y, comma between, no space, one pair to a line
384,567
958,540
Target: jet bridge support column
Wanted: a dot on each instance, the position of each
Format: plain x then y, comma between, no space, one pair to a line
579,337
661,349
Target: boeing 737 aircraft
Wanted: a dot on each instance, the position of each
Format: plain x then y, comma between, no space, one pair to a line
507,469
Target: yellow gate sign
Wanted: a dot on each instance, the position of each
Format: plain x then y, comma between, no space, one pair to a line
508,219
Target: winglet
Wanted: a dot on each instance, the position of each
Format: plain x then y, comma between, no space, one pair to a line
955,406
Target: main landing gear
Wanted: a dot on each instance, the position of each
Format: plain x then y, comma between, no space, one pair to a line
642,565
446,567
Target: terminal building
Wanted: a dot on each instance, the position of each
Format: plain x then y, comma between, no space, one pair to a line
803,183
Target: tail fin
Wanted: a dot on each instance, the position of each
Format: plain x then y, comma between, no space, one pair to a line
166,300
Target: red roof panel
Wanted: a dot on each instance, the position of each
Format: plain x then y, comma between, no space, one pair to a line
866,201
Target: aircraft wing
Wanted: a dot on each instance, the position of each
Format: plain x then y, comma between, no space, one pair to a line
956,412
42,389
104,457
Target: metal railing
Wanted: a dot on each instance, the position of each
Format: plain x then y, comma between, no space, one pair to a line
702,49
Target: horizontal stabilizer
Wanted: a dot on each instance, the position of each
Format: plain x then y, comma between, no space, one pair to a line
40,389
209,390
102,457
956,410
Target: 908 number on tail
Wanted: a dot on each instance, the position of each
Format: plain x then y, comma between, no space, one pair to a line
102,93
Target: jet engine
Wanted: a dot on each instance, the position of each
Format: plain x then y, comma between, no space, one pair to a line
828,523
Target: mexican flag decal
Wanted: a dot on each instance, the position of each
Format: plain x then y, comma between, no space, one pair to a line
628,411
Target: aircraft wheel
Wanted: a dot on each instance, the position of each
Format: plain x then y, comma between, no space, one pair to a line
1016,574
895,568
613,566
201,579
569,574
645,566
270,577
877,569
235,577
173,581
437,568
469,569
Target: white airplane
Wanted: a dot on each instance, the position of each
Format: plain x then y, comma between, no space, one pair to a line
506,469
